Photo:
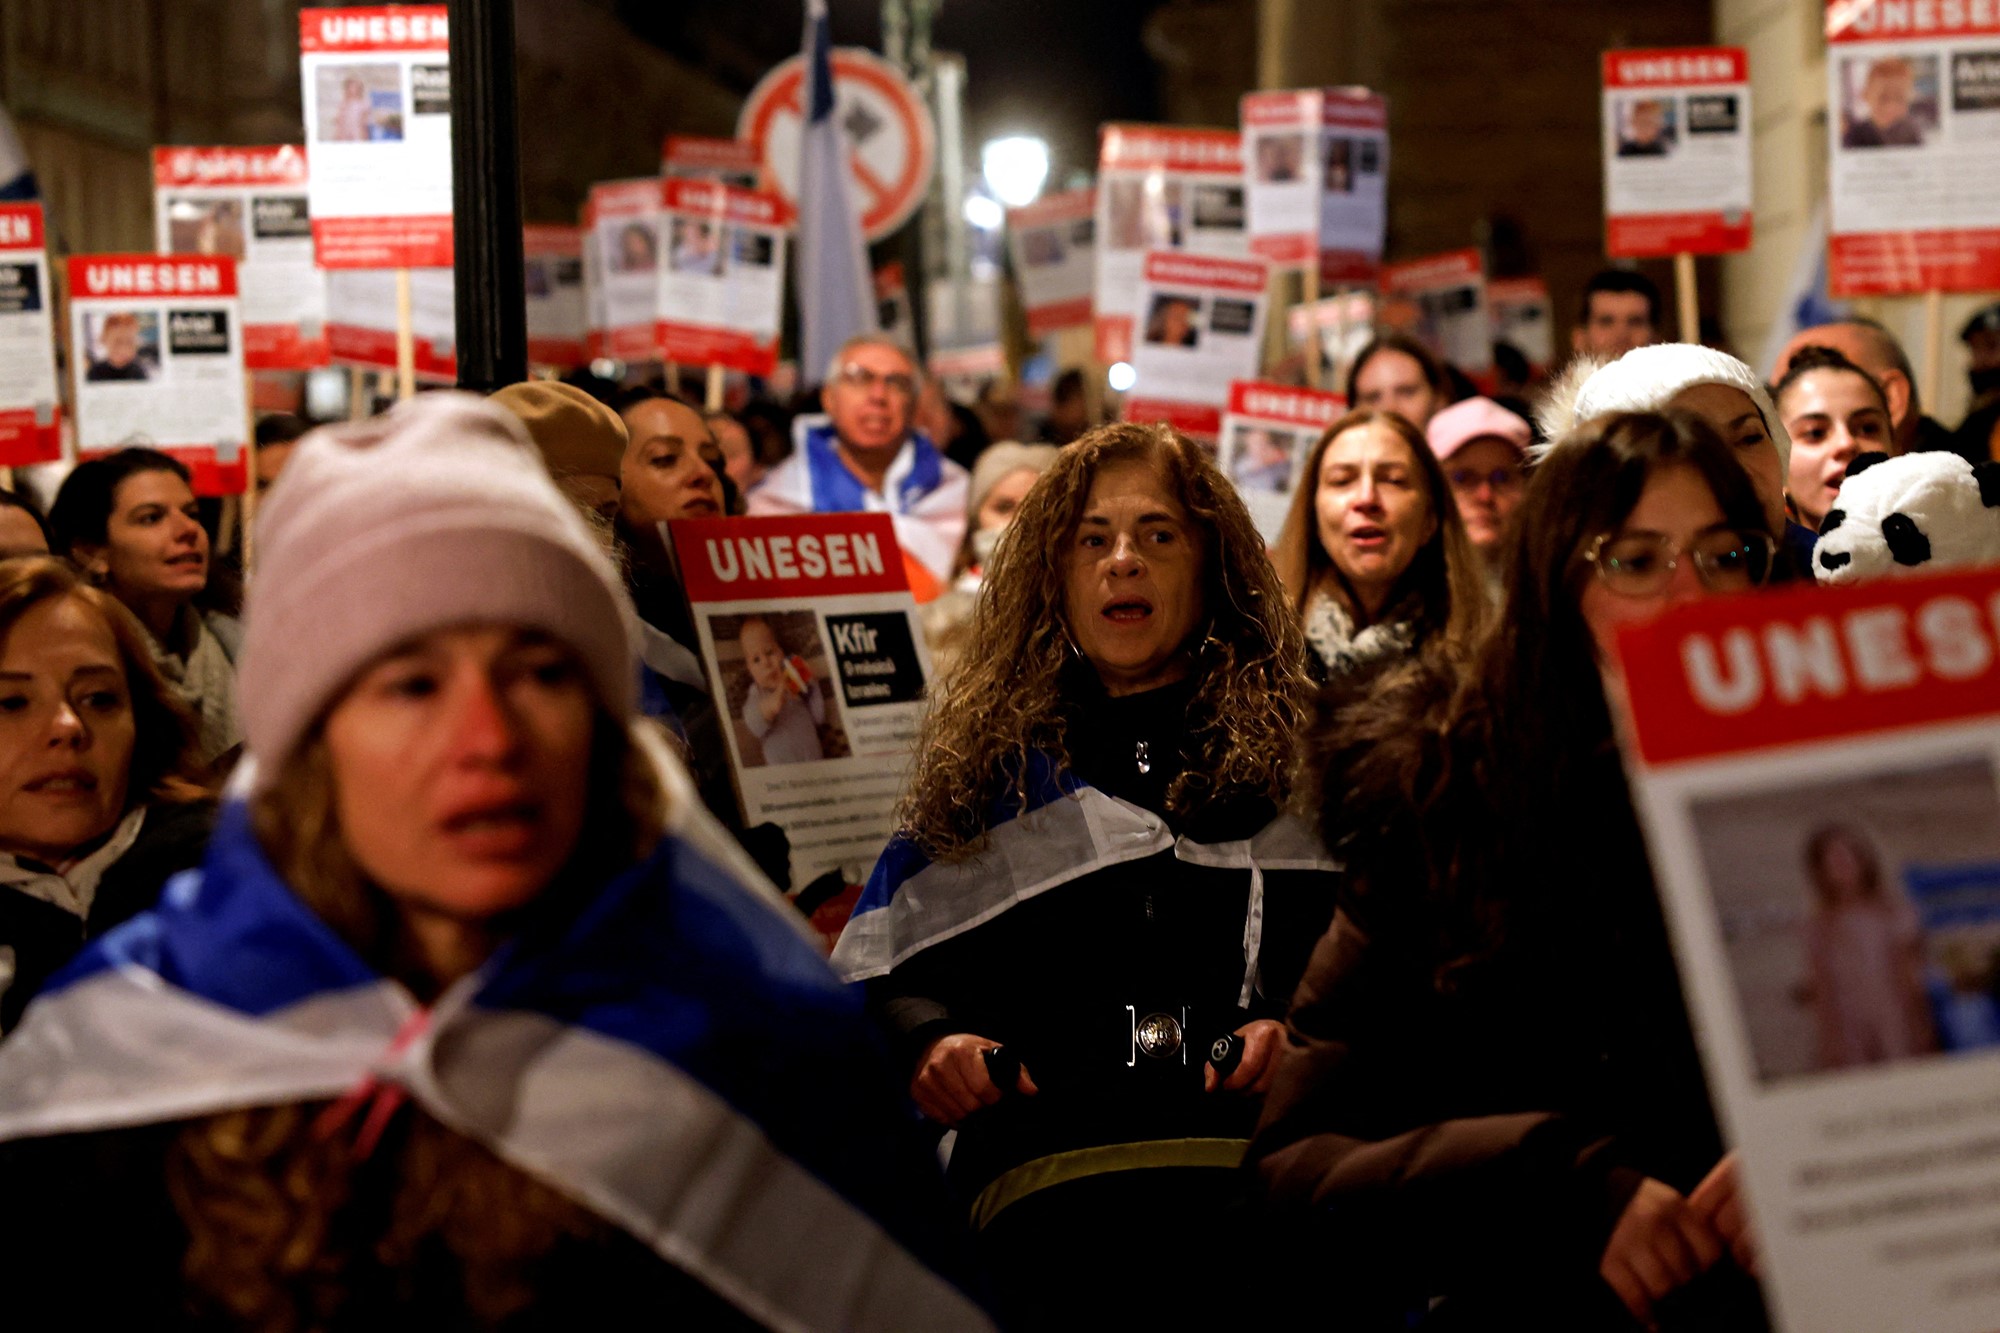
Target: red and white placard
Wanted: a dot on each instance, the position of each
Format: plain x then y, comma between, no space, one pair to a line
1201,327
1267,433
624,219
1316,167
1441,302
1160,187
376,84
1676,151
722,287
157,359
733,162
1818,775
250,204
553,270
1054,246
30,406
361,320
1913,116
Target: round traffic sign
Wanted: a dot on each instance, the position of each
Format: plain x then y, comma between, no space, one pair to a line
891,144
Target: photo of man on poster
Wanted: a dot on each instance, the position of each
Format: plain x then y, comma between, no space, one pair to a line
1648,128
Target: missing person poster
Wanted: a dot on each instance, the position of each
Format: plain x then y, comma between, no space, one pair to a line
1523,319
552,270
361,320
250,204
157,359
1316,165
624,218
30,406
1053,243
1913,112
732,162
1201,329
376,84
1441,302
810,634
1818,775
722,289
1266,435
1676,151
1160,187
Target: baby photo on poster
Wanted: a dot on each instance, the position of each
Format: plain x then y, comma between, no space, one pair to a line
778,679
124,345
359,103
1890,102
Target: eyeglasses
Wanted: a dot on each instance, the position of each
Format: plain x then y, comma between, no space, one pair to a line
1466,479
866,380
1643,564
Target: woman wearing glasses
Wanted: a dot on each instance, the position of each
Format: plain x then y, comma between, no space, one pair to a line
1493,1113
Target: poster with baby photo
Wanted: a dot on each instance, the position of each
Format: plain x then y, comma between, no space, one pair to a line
1818,777
810,640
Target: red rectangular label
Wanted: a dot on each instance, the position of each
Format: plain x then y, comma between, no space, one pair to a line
383,28
1203,420
1730,676
693,150
1909,20
1229,275
1165,148
752,208
697,346
1069,206
1890,263
185,168
623,199
150,277
21,227
24,440
1114,338
1656,234
798,556
282,347
1450,269
418,242
1047,319
1285,402
1676,67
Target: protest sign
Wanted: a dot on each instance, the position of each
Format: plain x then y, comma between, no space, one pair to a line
1317,171
376,84
731,162
361,320
158,360
1266,435
1676,151
552,269
721,291
1203,328
250,204
1054,248
1340,325
810,637
624,219
1159,188
1523,318
1441,302
30,407
1818,775
1913,113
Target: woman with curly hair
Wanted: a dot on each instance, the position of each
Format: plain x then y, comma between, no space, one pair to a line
1092,916
471,1019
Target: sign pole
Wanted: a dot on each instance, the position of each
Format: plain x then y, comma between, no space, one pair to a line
1933,346
249,470
1309,296
357,394
490,296
673,376
712,400
406,340
1689,297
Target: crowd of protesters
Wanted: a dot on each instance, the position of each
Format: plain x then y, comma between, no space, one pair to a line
1267,937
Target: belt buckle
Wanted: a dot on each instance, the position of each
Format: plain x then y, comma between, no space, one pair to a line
1158,1036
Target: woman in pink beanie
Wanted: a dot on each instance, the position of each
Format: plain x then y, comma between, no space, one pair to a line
472,1017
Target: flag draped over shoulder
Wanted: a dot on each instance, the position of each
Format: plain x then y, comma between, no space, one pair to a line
836,299
676,1058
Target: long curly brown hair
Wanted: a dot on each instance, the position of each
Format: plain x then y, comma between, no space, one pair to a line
1010,696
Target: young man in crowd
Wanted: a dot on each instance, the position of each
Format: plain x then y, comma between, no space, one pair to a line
865,455
1621,310
1872,347
1979,433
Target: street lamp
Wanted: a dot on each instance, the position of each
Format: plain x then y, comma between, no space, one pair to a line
983,213
1016,167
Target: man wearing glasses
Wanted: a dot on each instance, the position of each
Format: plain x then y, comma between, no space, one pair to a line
865,455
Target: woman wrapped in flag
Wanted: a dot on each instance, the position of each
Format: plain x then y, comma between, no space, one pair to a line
1087,929
471,1018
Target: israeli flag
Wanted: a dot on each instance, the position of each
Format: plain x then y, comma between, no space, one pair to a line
16,181
836,297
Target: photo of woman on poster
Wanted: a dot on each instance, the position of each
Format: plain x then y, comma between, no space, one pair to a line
1866,952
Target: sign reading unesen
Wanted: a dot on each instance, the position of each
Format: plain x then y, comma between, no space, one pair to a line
30,407
1677,151
697,157
1818,775
722,286
376,85
250,204
1202,328
158,361
1913,114
1054,245
1316,162
1266,435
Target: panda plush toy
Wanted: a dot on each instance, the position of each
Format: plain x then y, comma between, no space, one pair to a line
1919,513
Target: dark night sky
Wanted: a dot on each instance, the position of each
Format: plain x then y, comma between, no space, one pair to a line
1051,67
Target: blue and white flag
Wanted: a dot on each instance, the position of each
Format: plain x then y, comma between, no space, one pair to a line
836,296
17,182
677,1058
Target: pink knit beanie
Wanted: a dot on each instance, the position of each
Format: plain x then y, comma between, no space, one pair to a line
437,514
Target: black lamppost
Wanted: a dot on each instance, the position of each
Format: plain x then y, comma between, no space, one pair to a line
491,293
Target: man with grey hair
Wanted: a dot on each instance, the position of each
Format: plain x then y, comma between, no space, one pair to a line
1869,345
865,454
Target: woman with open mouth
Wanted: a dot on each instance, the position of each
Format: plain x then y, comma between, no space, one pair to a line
1092,916
99,798
128,520
1373,554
